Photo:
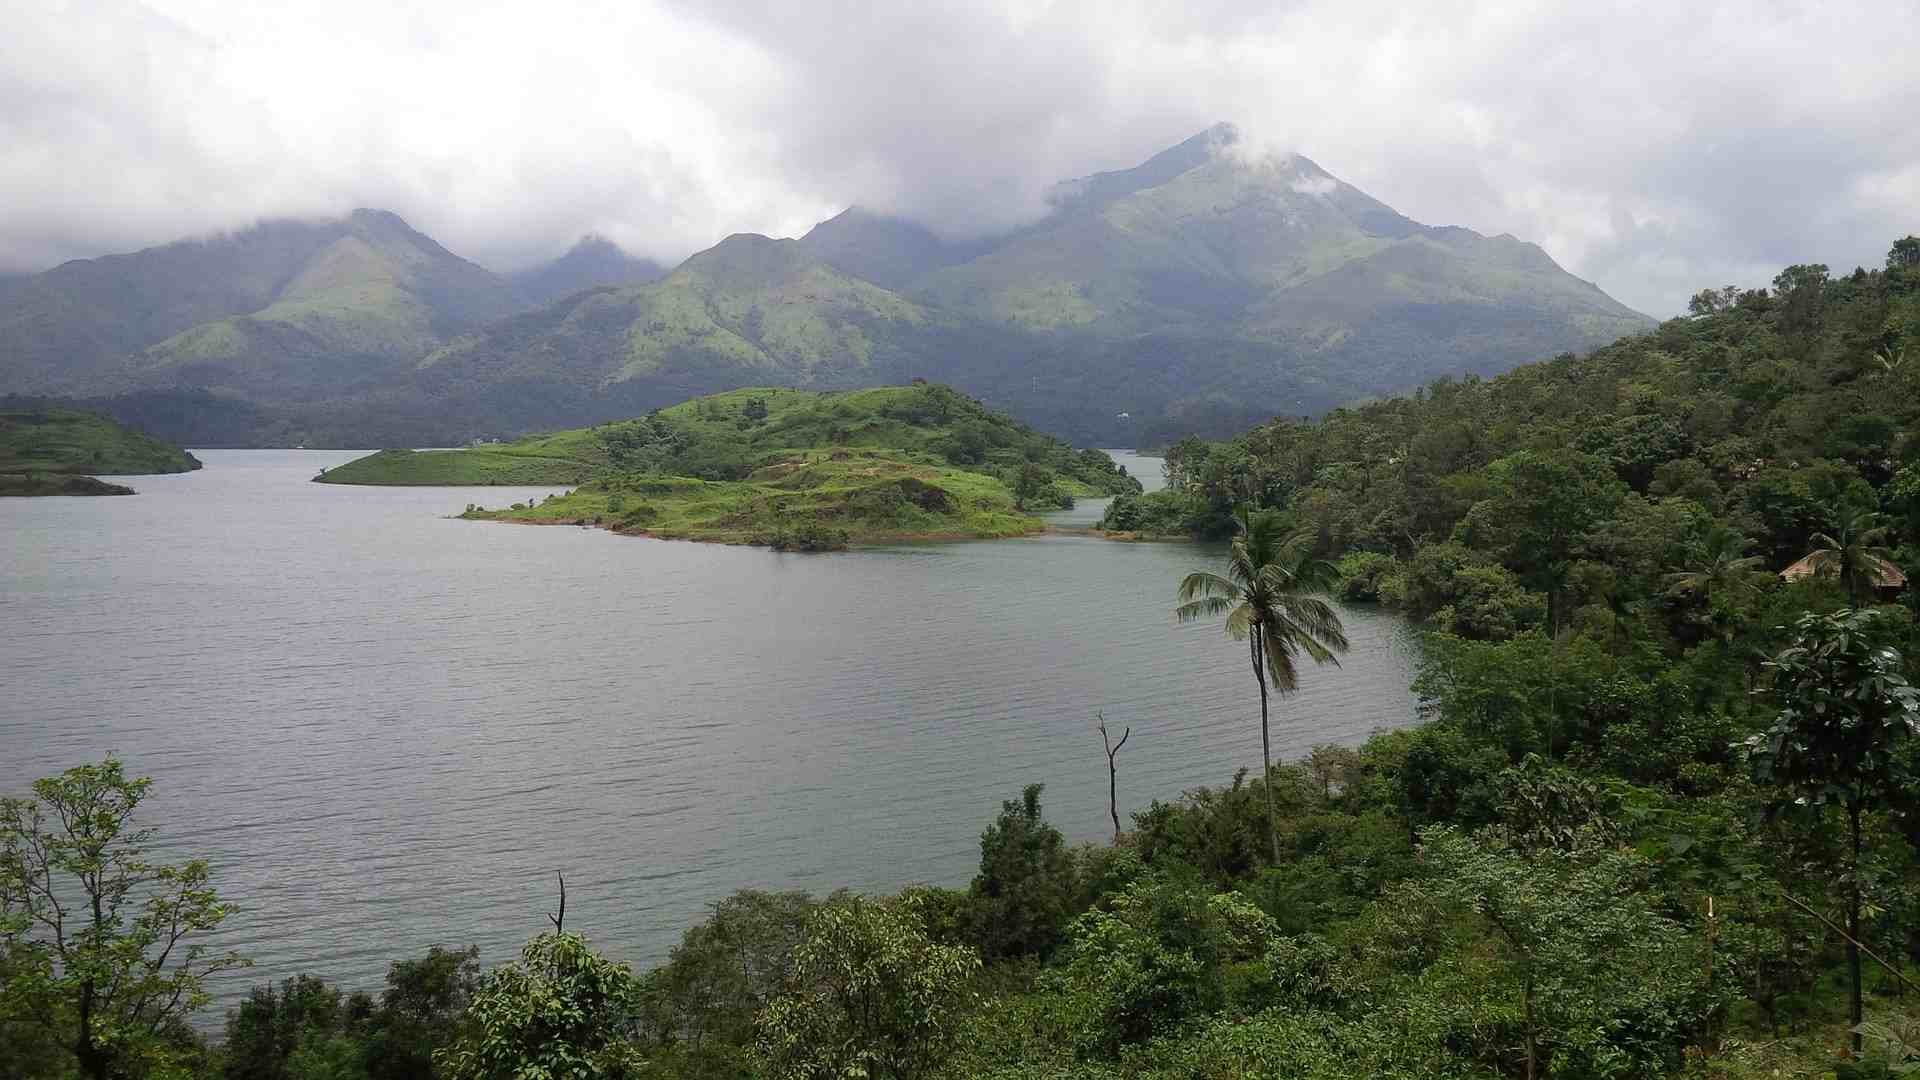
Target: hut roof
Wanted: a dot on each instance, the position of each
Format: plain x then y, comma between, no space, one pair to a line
1885,576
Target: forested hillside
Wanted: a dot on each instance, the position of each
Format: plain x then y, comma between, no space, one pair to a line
1769,412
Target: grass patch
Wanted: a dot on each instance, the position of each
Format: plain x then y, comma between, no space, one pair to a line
65,442
479,467
812,500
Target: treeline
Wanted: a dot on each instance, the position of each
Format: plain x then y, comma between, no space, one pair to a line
1565,491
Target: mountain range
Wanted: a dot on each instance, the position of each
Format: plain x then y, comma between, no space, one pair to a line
1208,287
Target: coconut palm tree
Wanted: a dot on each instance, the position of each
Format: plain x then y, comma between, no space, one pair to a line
1854,552
1270,595
1723,571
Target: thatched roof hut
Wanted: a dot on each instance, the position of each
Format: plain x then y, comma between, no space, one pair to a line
1885,575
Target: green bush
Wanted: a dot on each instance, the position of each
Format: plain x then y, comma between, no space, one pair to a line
1156,957
809,535
1361,573
1023,895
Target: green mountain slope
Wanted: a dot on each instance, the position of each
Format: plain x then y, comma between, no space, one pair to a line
1273,249
887,251
781,466
280,309
747,309
53,451
372,301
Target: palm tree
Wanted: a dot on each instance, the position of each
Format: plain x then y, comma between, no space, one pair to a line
1724,570
1855,552
1270,596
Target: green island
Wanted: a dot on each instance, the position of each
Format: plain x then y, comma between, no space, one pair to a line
800,469
1660,818
54,451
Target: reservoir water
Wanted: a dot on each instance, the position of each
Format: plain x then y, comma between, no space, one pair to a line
386,729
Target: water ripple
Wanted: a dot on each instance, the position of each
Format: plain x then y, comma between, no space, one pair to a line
387,729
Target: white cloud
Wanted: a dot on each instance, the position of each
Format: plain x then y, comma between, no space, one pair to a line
1653,148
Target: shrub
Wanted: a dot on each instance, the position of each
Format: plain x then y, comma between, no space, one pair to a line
1361,573
808,535
1160,956
1023,893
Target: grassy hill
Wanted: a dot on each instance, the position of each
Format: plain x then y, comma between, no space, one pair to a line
359,311
49,451
782,466
48,440
747,305
282,309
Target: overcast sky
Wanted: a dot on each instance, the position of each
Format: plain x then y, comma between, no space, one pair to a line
1654,148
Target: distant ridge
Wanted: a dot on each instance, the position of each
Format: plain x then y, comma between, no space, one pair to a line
1205,289
593,262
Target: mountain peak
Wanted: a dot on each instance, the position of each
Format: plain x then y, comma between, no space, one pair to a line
367,217
1090,192
594,261
885,250
745,257
592,243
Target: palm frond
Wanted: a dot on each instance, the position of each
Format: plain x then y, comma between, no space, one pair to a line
1205,607
1206,583
1281,672
1315,621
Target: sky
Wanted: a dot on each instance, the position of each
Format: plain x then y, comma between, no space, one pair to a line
1654,148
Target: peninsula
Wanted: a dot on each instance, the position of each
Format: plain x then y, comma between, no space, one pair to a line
50,451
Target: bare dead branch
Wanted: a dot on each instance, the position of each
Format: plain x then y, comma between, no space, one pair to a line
560,919
1828,923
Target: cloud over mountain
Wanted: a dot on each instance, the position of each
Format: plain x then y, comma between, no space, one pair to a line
1654,150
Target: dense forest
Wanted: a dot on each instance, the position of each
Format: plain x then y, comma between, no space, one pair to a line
1659,817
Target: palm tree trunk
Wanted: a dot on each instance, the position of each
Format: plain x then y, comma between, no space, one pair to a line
1526,997
1853,927
1266,747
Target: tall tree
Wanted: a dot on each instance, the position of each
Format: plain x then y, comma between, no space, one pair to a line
872,996
1023,893
1845,710
1271,596
562,1011
1720,576
102,946
1586,944
1855,552
1542,507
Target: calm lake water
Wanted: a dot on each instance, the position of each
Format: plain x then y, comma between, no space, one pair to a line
387,729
